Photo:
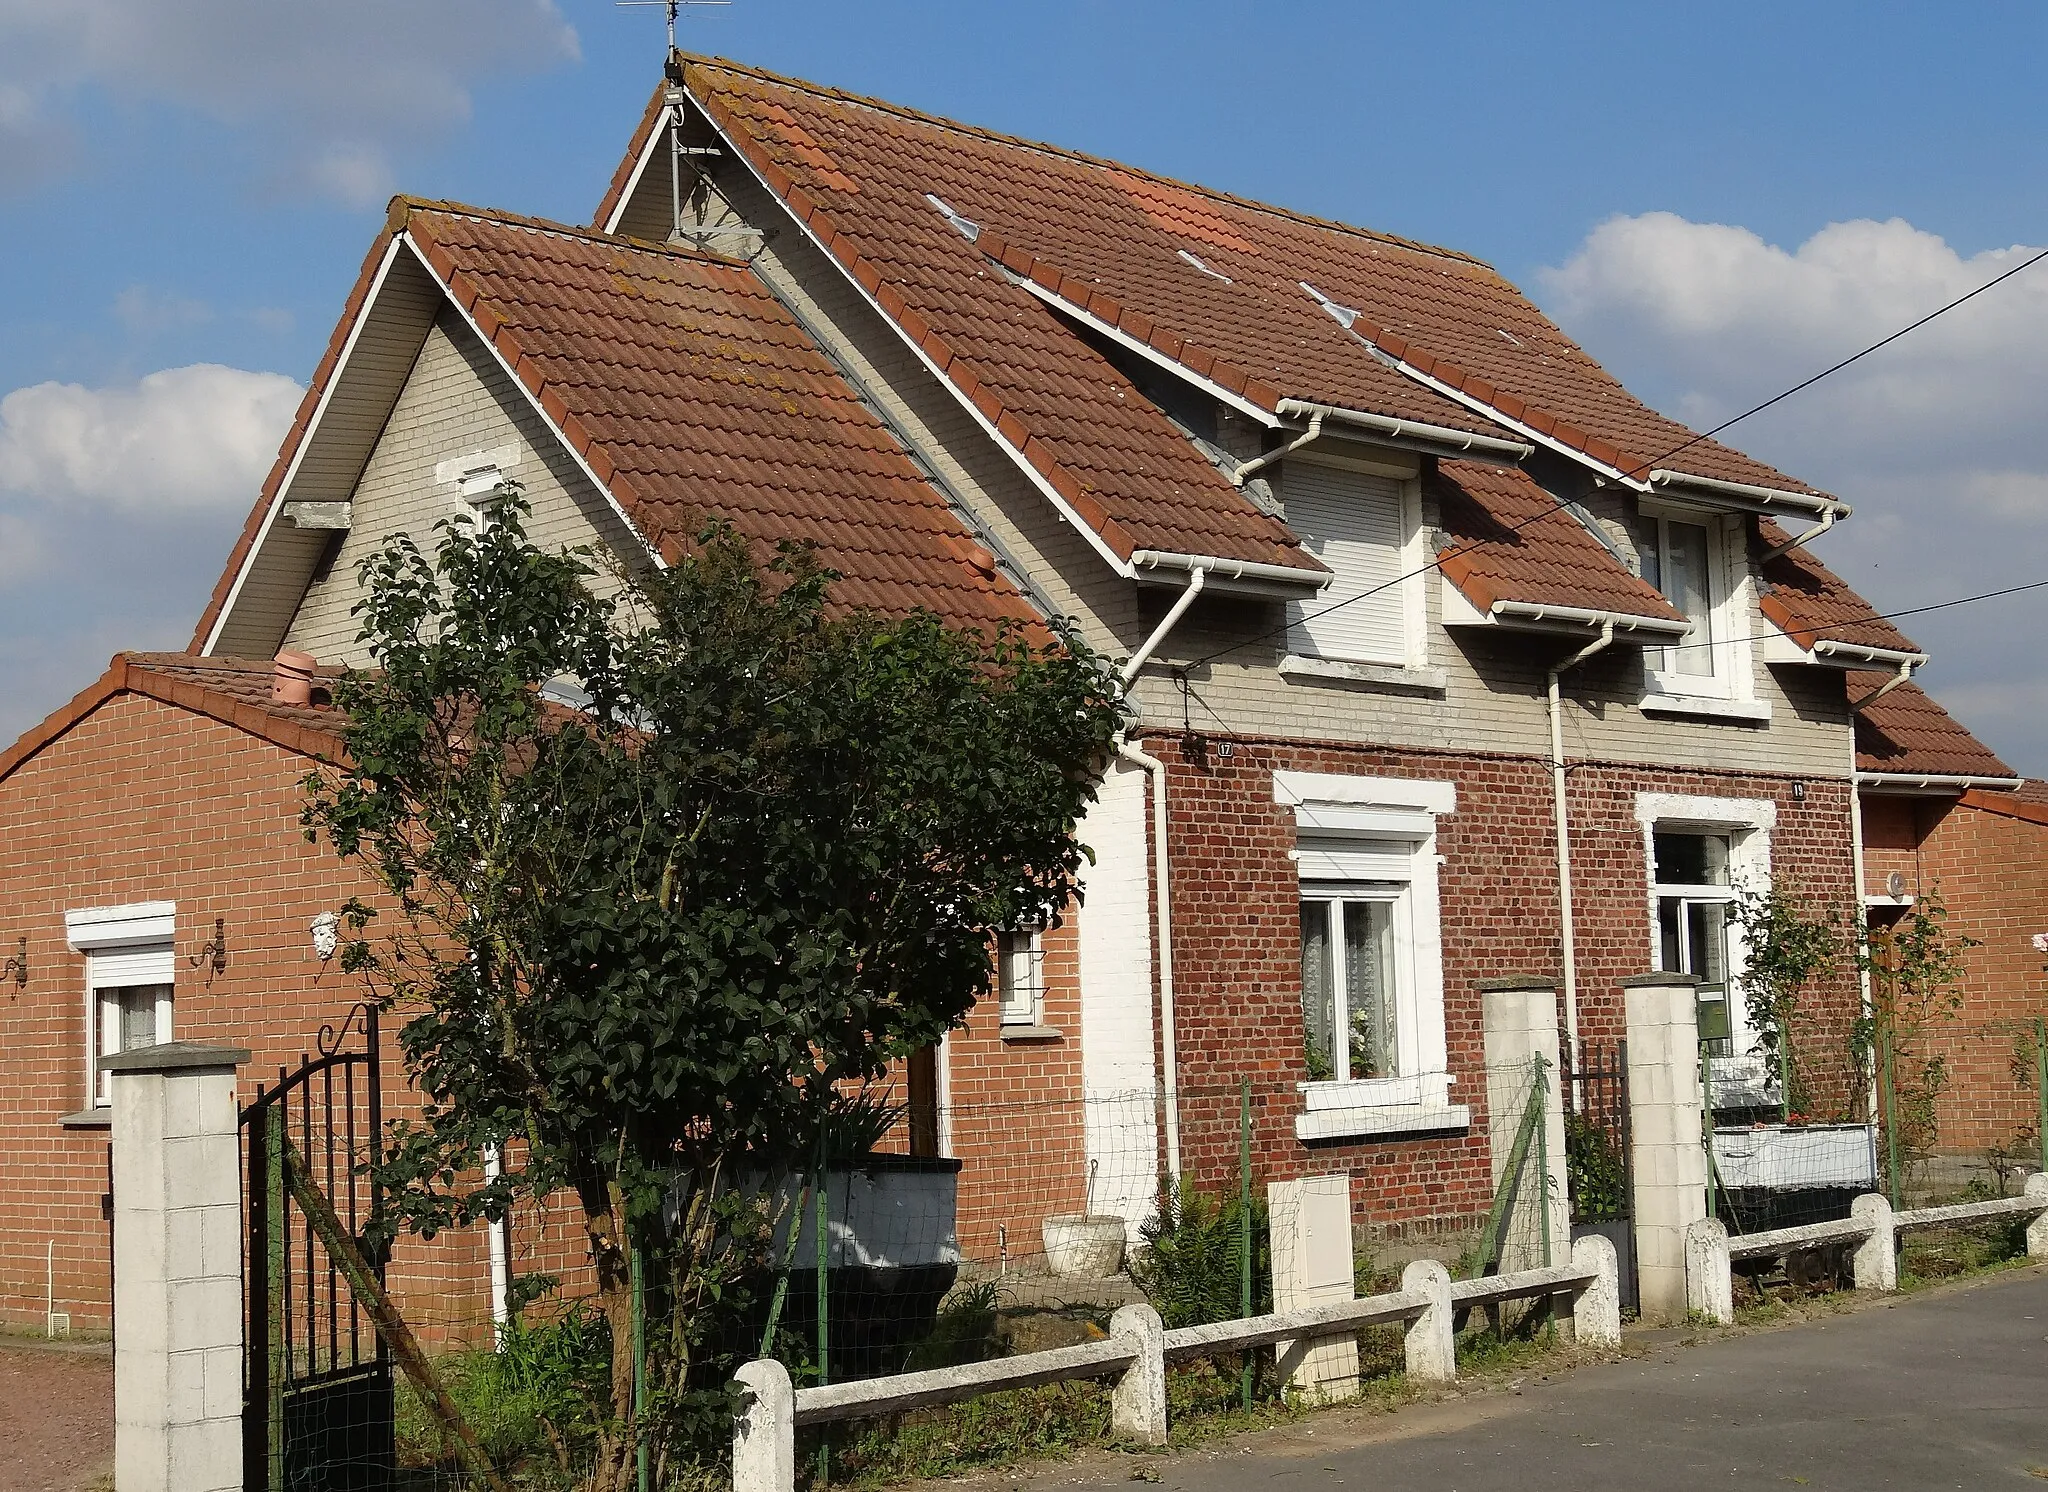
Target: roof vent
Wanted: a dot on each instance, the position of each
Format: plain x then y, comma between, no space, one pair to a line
1214,274
291,679
966,227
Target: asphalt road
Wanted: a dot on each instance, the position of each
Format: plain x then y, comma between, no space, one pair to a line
1944,1390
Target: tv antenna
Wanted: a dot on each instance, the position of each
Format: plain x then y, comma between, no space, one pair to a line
672,6
675,98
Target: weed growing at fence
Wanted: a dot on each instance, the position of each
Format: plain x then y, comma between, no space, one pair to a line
1191,1267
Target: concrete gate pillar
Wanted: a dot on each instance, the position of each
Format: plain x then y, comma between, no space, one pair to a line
177,1269
1665,1112
1519,1018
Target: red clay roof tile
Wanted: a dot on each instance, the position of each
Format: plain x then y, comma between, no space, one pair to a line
1809,602
1907,734
1511,541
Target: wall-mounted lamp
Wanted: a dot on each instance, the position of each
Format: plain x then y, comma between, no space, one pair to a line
215,953
16,968
326,935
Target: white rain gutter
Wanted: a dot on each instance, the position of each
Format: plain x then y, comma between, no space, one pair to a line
1139,659
1827,521
1827,647
1906,782
1764,499
1259,463
1162,896
1228,569
1579,616
1458,442
1561,816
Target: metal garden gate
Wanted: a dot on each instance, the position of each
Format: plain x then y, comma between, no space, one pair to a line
1599,1169
317,1408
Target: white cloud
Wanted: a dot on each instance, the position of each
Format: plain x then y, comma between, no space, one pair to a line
184,440
325,91
1935,439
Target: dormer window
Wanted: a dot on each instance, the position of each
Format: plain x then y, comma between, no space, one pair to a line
1685,555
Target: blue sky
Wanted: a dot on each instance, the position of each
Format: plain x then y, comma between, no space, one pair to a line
1715,200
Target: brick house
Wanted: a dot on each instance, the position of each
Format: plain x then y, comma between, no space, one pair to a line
1943,815
1451,659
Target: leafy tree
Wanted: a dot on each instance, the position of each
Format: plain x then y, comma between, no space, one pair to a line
671,869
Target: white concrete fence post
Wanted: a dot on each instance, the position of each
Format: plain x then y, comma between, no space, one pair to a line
1596,1306
1137,1405
1313,1266
1709,1273
1666,1142
1519,1022
764,1431
2037,1230
1431,1347
1876,1260
177,1268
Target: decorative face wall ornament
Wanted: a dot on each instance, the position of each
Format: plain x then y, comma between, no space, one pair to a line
326,935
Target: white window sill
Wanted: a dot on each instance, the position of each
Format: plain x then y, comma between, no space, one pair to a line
1707,707
1031,1033
1376,1120
1385,677
99,1116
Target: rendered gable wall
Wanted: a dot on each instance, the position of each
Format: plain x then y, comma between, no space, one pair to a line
457,400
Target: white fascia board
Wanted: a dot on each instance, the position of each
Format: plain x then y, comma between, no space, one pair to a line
1151,354
533,400
1116,562
611,224
120,927
1416,794
284,487
1480,406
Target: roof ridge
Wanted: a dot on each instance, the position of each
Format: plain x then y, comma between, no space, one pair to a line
904,111
404,204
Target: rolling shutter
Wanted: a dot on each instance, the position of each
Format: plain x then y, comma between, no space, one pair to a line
1352,523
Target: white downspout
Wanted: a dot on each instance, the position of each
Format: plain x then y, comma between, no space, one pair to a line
1827,521
1196,580
1162,896
1561,815
501,1264
1244,470
1162,879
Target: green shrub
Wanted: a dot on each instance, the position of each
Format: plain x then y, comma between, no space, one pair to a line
1598,1176
1191,1260
964,1332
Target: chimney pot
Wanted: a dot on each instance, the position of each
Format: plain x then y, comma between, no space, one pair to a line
291,681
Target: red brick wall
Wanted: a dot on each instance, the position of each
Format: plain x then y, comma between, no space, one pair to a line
142,801
1992,872
1236,940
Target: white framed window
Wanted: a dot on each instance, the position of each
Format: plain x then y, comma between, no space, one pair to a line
130,979
1702,853
1693,893
1372,986
1367,529
1685,555
1020,976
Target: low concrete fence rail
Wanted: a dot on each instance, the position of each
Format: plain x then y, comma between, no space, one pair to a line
1872,1226
1137,1350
